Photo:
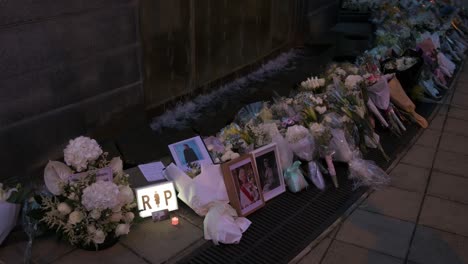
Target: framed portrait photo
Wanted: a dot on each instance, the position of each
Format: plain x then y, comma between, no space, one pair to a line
189,154
269,169
243,185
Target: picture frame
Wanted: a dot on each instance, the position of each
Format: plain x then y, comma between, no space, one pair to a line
268,165
243,185
190,151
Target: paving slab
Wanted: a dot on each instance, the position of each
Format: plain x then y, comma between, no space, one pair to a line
116,254
188,214
449,187
341,252
450,162
409,177
445,215
44,250
456,126
429,138
159,241
458,113
11,255
316,254
434,246
437,123
377,232
394,202
420,156
460,98
454,143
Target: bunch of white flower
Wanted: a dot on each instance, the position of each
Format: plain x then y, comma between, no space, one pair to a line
80,151
100,195
313,83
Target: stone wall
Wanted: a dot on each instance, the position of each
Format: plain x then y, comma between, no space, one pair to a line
66,67
203,41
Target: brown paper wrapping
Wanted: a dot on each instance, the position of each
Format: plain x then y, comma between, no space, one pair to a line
400,99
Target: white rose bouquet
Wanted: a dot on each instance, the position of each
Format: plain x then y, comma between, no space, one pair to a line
92,208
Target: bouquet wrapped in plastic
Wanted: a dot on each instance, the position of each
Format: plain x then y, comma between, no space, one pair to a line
363,172
302,144
322,135
8,211
399,98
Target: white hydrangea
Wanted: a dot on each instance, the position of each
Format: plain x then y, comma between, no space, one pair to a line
80,151
100,195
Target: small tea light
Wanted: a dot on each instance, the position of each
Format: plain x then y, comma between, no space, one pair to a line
174,221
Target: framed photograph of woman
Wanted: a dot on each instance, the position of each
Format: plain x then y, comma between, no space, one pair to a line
243,185
190,153
269,169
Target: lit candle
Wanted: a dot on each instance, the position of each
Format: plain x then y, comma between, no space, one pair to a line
174,221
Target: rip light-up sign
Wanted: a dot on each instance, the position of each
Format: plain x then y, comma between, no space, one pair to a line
156,197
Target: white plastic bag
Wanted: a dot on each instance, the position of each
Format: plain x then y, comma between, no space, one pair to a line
8,216
222,224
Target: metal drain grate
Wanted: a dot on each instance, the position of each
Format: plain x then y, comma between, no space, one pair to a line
290,222
285,226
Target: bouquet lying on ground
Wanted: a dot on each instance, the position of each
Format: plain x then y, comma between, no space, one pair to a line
10,204
91,200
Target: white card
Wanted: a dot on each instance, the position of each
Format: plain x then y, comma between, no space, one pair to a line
152,171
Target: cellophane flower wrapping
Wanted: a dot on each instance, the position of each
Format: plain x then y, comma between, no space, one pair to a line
363,172
340,146
301,142
284,150
367,173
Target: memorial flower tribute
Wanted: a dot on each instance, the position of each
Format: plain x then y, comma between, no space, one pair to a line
90,203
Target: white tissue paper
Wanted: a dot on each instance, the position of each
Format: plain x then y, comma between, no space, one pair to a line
223,226
206,194
198,192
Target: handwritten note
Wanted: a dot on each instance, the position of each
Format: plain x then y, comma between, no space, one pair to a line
152,171
104,174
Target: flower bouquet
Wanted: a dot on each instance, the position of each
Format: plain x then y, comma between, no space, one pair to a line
10,204
91,203
302,144
322,136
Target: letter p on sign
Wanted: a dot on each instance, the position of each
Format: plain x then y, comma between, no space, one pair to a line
156,197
